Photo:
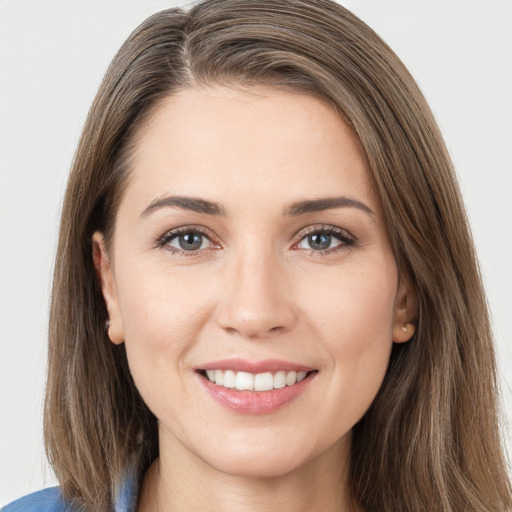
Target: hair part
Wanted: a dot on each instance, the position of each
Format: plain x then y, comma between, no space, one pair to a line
430,441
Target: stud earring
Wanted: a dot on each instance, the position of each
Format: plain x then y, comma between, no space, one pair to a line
107,324
405,327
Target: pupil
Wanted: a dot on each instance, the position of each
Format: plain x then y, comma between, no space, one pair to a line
319,241
190,241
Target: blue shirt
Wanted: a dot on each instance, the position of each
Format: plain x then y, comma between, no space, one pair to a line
50,500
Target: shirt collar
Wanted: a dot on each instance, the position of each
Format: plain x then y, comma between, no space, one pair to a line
126,497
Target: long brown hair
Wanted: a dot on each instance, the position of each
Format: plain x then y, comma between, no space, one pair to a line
430,441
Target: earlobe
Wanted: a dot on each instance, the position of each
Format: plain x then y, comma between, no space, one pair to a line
403,333
406,311
105,273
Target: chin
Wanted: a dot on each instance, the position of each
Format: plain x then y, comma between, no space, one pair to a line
267,456
261,466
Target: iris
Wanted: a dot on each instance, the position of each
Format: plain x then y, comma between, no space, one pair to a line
319,241
190,241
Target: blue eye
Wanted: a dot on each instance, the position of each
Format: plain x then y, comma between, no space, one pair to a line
188,241
320,241
325,239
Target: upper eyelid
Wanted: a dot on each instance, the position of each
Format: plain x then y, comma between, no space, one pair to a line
188,228
319,228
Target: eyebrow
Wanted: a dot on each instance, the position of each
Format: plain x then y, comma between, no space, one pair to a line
186,203
211,208
326,203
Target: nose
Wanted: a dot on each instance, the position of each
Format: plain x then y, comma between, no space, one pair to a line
257,303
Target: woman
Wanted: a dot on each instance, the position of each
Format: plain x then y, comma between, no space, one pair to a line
266,295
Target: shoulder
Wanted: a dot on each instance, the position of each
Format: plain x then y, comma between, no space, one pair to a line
50,500
47,500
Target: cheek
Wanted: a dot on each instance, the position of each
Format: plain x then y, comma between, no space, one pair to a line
163,315
157,301
353,309
353,321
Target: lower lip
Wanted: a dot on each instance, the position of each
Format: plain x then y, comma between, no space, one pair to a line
255,402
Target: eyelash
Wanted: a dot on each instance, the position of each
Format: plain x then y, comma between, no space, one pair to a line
163,241
346,239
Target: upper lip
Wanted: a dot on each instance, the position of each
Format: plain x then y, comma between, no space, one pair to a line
243,365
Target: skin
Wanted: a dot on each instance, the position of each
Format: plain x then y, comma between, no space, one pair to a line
256,290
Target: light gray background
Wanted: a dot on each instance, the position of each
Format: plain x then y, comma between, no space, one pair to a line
52,57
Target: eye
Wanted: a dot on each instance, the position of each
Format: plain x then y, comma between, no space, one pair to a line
190,241
319,242
325,239
185,240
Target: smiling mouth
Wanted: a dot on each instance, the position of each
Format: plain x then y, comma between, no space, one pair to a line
259,382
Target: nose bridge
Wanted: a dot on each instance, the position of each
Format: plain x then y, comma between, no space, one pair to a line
256,304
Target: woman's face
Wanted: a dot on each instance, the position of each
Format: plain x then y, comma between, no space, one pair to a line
249,242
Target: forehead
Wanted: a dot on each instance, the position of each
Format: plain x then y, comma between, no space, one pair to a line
222,143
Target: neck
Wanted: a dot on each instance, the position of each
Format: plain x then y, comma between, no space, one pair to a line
177,484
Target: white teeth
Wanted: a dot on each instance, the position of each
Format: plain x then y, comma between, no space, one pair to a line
280,380
229,380
263,382
301,376
244,381
291,378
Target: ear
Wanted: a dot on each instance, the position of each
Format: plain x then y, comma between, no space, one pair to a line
105,273
406,311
